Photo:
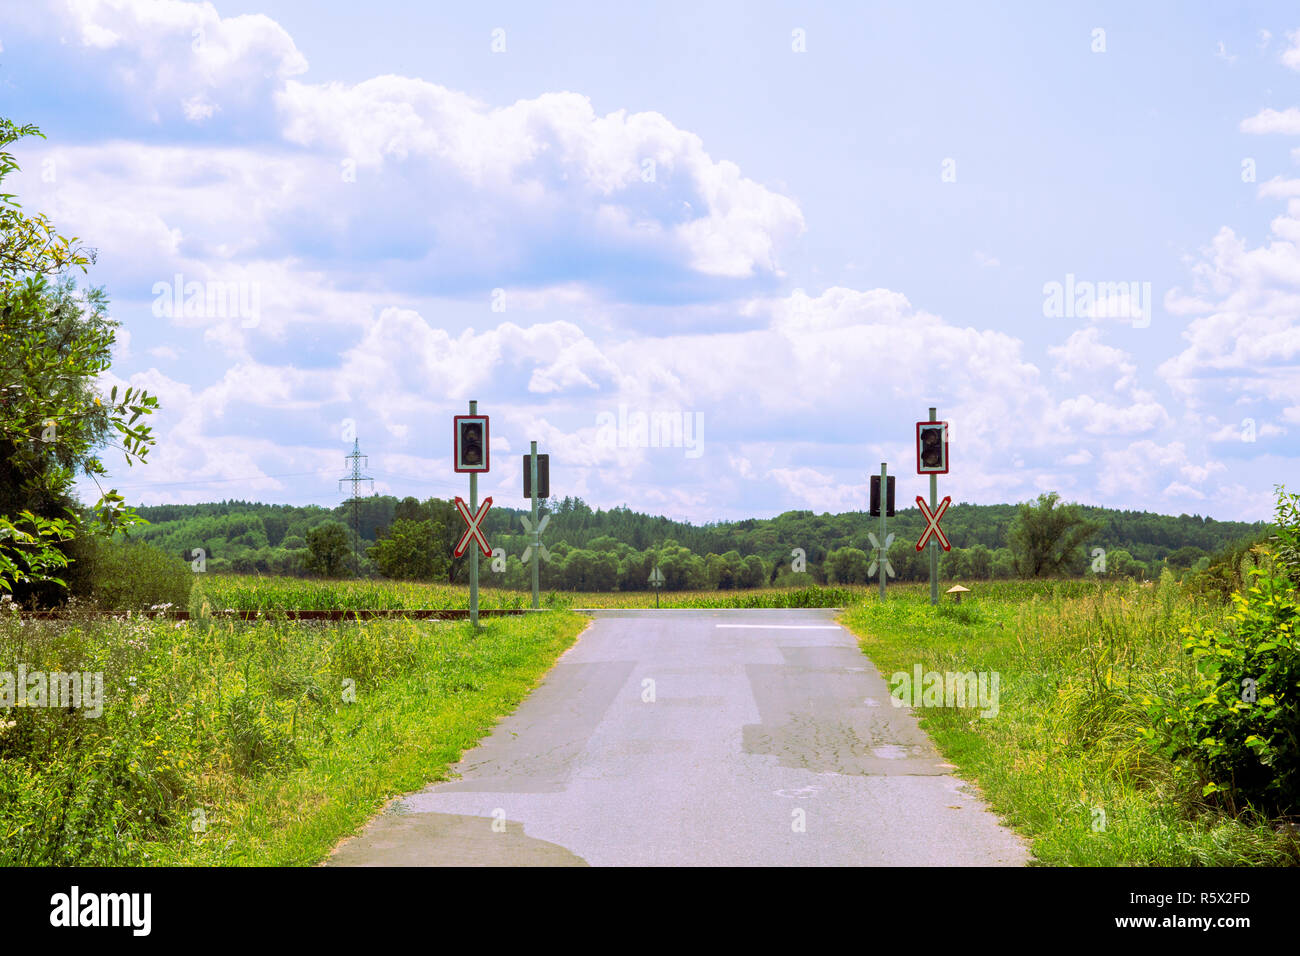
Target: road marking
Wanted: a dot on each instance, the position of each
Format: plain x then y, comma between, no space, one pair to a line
787,627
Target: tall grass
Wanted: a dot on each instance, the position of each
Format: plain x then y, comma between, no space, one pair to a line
243,592
250,592
228,742
1066,759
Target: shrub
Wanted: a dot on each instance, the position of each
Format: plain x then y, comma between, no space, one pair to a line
1235,721
126,575
1285,540
1227,571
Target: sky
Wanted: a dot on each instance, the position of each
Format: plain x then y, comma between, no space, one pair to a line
788,230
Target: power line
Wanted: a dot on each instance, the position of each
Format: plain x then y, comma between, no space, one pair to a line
211,481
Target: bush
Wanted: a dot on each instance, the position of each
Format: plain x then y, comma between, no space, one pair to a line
126,575
1228,571
1285,540
1236,721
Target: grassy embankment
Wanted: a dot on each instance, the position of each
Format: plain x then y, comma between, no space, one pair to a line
1064,760
228,743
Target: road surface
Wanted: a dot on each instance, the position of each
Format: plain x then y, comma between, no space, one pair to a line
699,738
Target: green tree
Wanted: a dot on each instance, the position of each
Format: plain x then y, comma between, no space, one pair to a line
752,572
328,549
847,566
1046,538
408,550
53,419
1121,564
980,561
1184,557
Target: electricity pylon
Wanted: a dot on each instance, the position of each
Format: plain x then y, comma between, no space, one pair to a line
356,478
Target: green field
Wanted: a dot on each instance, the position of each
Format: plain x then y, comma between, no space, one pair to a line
248,592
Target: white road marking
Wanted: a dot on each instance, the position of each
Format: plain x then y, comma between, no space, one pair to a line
786,627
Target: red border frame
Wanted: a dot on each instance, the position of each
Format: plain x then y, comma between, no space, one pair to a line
946,462
455,437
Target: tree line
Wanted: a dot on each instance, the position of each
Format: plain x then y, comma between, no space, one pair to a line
596,550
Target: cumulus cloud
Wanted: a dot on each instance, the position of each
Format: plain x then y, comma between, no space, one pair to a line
162,61
636,270
1245,344
392,179
1269,120
1291,55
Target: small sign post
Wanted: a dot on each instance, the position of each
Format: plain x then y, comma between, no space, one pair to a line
882,503
657,582
535,550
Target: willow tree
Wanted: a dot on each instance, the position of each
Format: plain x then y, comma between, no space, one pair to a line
1046,537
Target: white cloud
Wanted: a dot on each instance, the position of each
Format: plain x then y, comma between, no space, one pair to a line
165,59
1099,418
1083,358
1291,55
816,491
1269,120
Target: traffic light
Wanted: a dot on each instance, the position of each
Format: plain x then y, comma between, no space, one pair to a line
932,448
543,476
471,440
875,497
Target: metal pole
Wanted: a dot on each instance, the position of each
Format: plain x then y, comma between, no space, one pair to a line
934,543
884,507
473,556
537,538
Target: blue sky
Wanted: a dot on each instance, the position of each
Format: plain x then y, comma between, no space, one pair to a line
797,226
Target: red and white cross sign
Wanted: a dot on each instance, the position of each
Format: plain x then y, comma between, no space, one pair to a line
472,530
932,523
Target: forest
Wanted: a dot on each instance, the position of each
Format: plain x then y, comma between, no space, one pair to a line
615,549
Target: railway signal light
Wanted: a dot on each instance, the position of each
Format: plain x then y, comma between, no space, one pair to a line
875,497
543,476
471,440
932,448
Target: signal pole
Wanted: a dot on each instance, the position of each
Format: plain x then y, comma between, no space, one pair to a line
884,508
537,536
934,544
473,556
356,478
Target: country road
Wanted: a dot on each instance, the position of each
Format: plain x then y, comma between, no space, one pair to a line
699,738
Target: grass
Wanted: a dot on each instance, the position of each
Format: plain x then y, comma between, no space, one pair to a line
1064,759
264,743
225,743
245,592
251,592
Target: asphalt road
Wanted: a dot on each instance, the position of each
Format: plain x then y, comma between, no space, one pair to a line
698,738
